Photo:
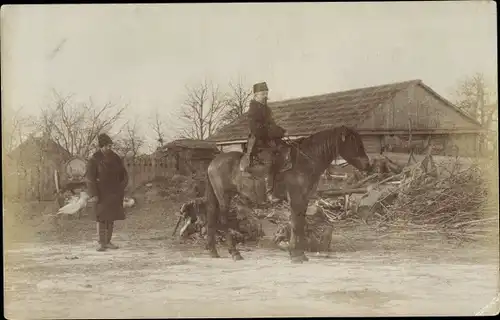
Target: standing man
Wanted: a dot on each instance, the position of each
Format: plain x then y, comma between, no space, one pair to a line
265,132
107,179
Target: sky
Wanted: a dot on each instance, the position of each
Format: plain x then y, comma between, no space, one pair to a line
145,55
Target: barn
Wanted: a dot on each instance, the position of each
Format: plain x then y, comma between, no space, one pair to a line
386,116
29,169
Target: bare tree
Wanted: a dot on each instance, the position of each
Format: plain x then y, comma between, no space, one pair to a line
203,110
76,126
478,98
15,128
237,101
158,128
130,142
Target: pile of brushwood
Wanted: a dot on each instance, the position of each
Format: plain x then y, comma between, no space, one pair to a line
454,198
447,197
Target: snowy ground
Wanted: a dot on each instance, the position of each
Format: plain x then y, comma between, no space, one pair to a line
153,277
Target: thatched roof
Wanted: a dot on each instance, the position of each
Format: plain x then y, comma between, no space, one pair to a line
304,116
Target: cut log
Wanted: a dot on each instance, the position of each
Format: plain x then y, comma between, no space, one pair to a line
363,181
341,192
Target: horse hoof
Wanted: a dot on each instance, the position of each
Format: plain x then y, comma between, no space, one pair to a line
237,257
214,255
297,260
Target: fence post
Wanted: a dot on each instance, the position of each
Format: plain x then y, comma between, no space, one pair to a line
154,165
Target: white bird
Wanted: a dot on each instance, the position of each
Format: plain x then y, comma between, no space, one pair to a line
128,202
75,204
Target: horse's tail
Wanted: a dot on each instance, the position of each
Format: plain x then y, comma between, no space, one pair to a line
212,209
212,201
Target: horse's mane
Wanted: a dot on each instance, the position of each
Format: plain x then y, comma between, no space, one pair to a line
322,146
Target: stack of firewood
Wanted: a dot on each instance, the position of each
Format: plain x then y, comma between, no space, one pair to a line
424,197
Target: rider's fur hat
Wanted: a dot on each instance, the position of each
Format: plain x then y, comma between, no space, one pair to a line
103,140
259,87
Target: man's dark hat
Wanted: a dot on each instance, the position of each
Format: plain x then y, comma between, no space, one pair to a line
259,87
103,140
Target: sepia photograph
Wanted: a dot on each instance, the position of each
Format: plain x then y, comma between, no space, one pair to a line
288,159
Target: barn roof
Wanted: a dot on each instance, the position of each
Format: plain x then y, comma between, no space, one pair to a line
35,144
190,144
304,116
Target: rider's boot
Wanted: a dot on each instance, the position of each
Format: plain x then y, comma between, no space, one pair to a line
287,160
245,162
270,189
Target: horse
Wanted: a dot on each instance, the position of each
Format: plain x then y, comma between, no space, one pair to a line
310,156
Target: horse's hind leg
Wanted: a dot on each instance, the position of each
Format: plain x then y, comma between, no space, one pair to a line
212,213
212,230
231,229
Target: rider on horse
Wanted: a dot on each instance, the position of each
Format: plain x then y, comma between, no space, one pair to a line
265,133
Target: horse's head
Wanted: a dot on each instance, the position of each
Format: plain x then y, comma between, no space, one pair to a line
351,148
193,217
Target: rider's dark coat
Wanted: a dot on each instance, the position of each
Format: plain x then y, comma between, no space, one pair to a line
261,122
107,179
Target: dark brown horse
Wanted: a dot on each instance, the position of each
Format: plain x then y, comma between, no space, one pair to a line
310,157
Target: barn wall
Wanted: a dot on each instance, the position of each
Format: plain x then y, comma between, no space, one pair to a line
31,182
371,143
465,144
426,111
29,171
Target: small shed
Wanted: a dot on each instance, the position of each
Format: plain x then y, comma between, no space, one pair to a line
29,169
189,156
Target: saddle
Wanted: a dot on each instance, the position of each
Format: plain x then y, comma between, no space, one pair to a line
259,157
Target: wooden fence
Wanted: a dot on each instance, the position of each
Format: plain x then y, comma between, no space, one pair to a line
38,182
145,169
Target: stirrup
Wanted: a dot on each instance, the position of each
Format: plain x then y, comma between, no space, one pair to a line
245,162
286,166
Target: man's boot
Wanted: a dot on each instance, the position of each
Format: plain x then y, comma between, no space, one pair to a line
103,237
109,231
270,189
287,160
245,162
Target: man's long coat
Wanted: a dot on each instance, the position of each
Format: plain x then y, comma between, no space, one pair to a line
107,179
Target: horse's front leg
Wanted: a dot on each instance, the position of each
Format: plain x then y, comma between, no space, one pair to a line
230,225
231,244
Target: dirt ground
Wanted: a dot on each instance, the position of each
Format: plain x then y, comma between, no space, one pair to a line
153,275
